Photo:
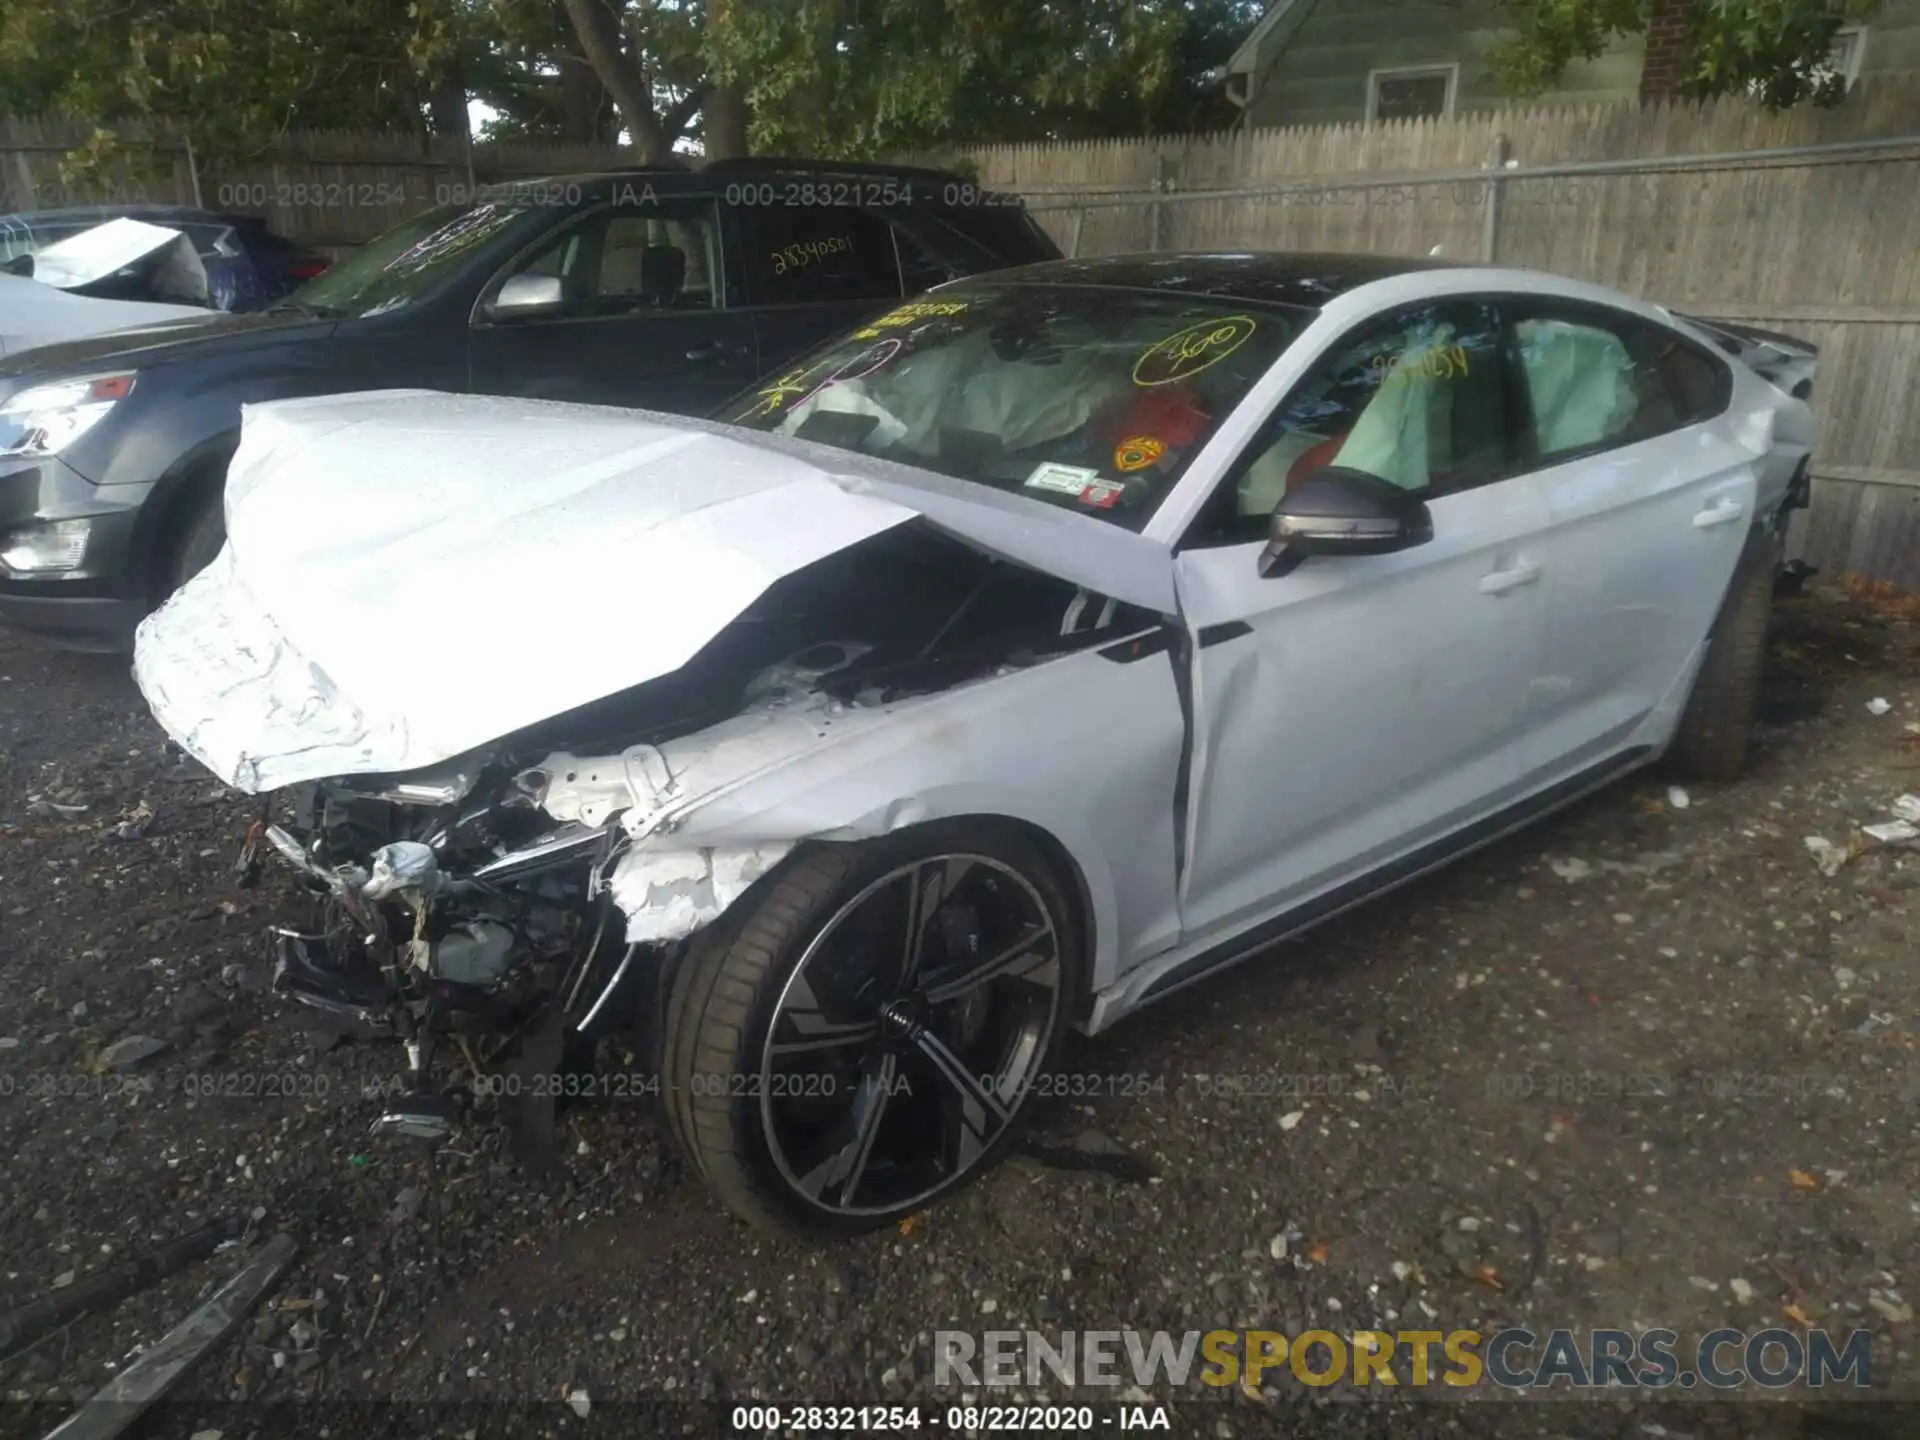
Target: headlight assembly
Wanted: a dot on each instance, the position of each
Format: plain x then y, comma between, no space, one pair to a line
53,545
45,419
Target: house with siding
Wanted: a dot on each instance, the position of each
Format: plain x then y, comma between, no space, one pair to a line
1309,62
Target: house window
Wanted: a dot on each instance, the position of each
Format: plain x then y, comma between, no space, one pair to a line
1843,59
1414,93
1841,62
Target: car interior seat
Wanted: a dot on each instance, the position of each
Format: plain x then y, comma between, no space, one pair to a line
663,273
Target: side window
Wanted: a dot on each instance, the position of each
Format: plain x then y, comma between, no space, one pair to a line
921,268
556,259
1694,381
1582,385
1595,380
664,257
635,260
1417,399
805,254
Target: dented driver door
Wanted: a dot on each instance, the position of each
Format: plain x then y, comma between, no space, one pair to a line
1354,715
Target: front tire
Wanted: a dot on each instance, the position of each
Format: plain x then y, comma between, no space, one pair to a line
859,1038
1716,728
199,542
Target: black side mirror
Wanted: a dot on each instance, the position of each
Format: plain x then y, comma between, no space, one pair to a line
21,265
1343,512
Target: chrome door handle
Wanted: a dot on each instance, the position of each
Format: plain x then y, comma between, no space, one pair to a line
1721,512
1501,581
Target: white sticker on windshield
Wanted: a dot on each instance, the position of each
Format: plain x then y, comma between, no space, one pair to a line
1068,479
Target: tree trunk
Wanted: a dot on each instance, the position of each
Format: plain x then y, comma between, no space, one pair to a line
598,27
725,123
581,98
448,104
723,116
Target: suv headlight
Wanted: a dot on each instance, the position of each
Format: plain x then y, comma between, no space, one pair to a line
45,419
55,545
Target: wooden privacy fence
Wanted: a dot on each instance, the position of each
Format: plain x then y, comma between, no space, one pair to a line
1806,222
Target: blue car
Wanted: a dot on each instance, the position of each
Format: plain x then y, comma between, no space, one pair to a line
248,266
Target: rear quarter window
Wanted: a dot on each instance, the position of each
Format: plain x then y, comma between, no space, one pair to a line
1003,228
799,255
1696,384
1594,378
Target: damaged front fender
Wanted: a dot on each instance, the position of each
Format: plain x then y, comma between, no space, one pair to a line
667,895
590,790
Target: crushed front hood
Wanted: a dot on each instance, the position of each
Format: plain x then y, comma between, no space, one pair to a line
409,575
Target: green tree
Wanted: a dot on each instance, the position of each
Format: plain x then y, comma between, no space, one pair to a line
1773,49
531,73
651,57
841,78
233,75
852,78
858,77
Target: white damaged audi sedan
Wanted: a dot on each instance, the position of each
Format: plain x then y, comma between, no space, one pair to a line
1022,656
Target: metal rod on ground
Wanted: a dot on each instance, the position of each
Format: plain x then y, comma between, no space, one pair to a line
25,1325
123,1399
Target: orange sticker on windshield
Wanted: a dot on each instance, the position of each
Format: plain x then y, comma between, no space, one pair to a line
1187,352
1137,453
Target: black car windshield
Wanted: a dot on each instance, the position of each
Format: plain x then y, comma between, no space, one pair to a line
406,262
1091,398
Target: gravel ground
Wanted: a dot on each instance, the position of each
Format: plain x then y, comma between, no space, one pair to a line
1645,1065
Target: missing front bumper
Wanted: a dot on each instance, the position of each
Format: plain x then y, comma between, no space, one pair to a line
304,971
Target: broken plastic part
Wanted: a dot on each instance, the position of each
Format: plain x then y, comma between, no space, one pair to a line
419,1117
345,882
435,785
560,847
1827,855
668,896
1892,832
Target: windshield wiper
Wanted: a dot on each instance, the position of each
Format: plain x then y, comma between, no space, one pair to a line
302,309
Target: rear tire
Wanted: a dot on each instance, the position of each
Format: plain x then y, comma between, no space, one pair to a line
817,1064
1717,726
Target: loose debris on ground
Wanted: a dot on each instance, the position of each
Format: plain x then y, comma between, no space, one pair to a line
1652,1063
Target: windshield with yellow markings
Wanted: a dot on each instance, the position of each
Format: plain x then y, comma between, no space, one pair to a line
1092,399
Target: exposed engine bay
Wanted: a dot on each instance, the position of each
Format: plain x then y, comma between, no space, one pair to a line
505,907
